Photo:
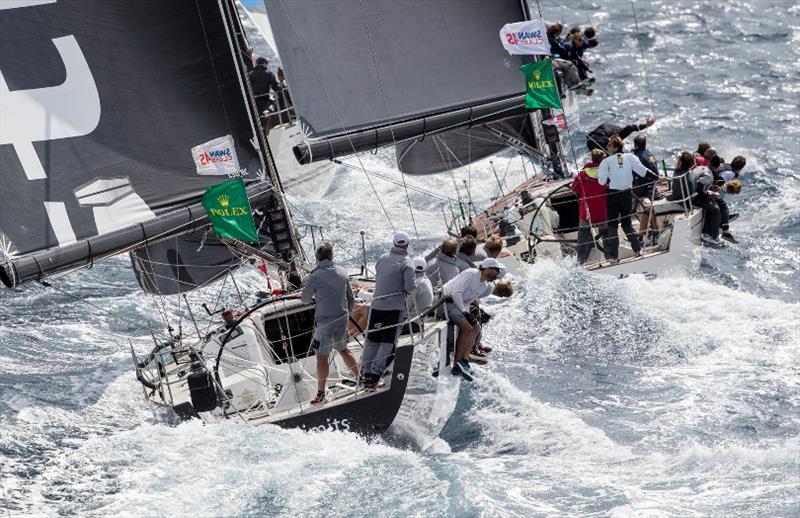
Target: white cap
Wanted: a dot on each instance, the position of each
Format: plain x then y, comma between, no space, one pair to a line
401,238
490,263
419,263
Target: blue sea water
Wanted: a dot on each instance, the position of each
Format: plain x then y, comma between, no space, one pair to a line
673,397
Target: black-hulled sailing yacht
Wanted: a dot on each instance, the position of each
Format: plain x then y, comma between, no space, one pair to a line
108,113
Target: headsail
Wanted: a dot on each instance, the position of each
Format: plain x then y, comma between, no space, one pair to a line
100,107
410,68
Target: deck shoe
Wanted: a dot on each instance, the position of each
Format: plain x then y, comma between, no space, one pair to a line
457,370
465,366
712,242
727,236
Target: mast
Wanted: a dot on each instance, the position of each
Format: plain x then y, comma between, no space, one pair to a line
278,217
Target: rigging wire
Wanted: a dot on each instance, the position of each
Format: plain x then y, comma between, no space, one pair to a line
335,111
386,109
644,60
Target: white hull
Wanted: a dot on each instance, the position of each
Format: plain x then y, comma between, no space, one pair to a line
539,235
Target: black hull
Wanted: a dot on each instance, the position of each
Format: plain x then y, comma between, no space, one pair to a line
370,415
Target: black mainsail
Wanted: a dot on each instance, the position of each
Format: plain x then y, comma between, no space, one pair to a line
369,74
100,107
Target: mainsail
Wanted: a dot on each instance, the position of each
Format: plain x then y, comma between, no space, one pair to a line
100,107
368,74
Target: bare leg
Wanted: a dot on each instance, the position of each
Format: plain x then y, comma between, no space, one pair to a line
350,361
322,372
644,220
466,339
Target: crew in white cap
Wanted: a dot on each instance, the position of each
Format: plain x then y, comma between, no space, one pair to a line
468,286
394,281
421,300
401,239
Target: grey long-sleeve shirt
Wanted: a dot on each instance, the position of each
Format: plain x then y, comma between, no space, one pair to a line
394,274
442,269
330,286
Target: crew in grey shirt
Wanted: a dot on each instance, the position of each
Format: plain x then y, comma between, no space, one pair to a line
329,286
394,281
444,266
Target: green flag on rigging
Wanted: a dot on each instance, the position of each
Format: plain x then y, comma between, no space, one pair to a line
229,211
541,90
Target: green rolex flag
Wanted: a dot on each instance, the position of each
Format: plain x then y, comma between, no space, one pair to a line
541,90
229,211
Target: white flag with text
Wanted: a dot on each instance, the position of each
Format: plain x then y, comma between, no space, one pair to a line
528,37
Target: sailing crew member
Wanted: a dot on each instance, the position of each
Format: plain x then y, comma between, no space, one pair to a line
262,80
698,180
420,301
644,187
617,172
329,286
717,167
699,153
598,138
592,204
560,55
465,253
467,287
394,281
443,266
494,247
705,195
471,231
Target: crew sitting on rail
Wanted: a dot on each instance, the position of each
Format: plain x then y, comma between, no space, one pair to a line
471,231
725,178
443,266
479,351
493,246
592,209
465,253
329,286
700,183
467,287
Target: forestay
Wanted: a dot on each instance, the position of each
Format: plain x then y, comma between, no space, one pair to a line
100,106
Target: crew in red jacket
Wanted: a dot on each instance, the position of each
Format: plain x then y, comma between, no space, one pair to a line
591,204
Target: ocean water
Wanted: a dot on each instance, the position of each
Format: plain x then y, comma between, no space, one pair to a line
673,397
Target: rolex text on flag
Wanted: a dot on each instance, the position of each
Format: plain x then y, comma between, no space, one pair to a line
229,211
541,90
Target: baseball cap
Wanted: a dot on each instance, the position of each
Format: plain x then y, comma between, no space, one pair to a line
490,263
401,238
419,263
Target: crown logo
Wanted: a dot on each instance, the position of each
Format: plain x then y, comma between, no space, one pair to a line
223,200
537,75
